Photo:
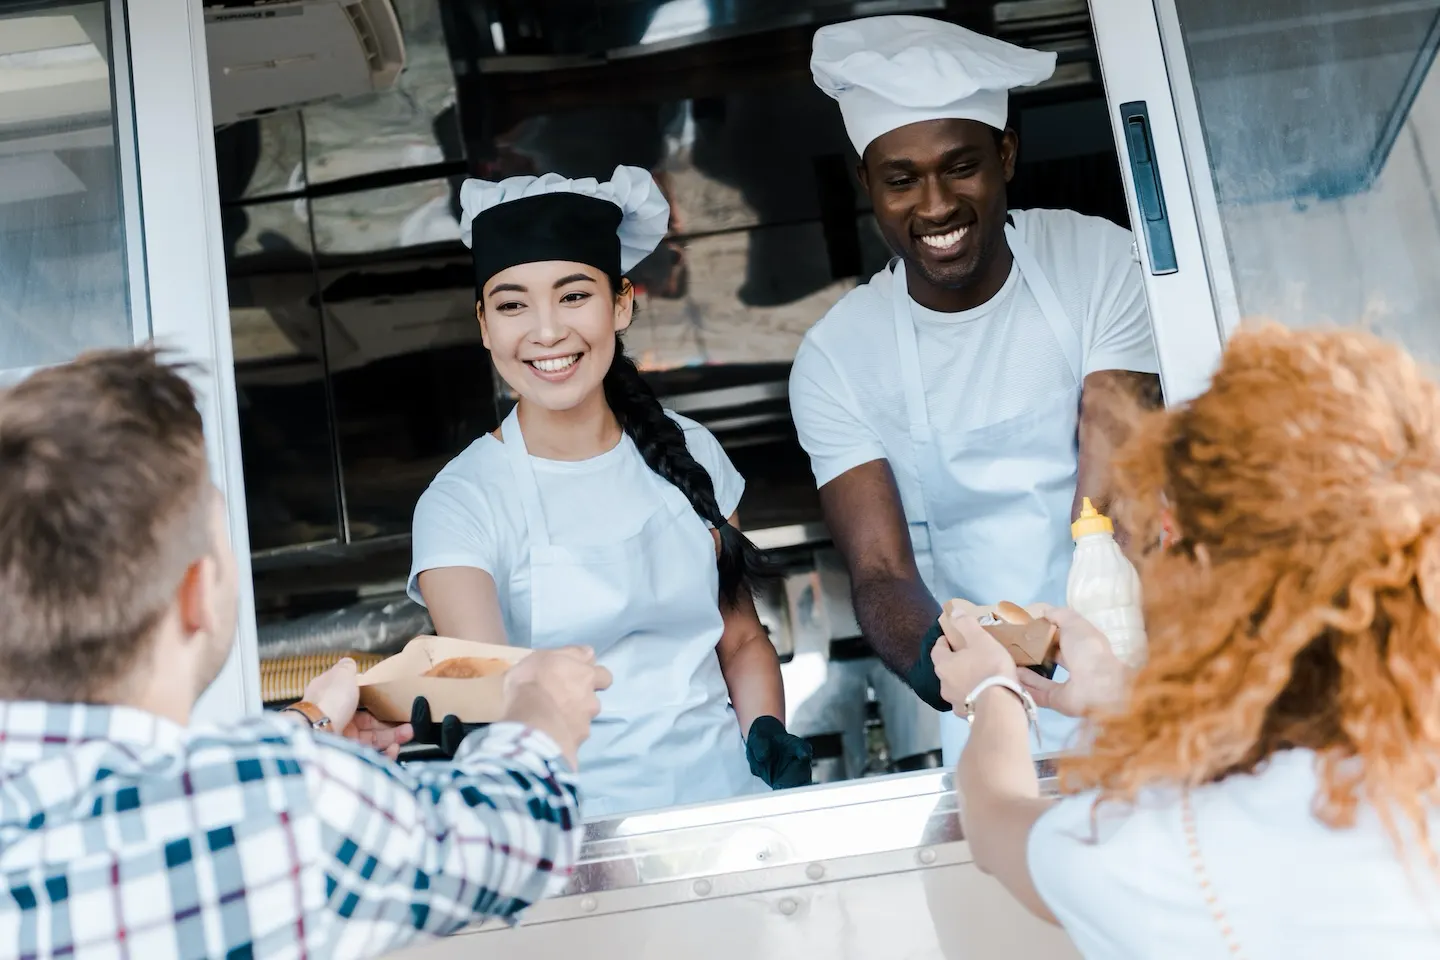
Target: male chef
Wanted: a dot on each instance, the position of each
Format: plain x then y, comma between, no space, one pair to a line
942,403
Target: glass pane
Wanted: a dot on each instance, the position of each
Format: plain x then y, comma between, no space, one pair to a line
291,490
261,157
411,380
387,219
1322,121
63,281
410,125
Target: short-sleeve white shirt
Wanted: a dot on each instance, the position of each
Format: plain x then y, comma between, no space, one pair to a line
1289,885
979,367
471,515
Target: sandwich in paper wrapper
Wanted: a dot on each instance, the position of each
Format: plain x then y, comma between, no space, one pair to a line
1031,641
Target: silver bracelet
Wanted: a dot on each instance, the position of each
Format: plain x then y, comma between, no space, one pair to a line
1006,683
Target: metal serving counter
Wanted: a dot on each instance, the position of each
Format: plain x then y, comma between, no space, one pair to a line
864,869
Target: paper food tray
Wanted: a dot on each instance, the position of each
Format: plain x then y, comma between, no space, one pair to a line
388,689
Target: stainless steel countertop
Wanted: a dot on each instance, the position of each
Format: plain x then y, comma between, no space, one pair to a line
827,822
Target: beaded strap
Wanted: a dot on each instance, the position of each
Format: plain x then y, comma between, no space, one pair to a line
1207,888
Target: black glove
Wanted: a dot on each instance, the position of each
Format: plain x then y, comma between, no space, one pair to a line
779,758
448,734
921,676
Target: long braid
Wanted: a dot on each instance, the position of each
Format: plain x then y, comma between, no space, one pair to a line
661,441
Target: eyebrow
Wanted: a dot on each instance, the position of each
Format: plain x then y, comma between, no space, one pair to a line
562,282
949,157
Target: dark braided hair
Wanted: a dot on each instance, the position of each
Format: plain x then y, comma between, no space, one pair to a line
661,441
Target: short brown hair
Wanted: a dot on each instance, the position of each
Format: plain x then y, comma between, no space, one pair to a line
103,477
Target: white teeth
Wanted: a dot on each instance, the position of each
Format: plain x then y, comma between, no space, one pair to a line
945,239
555,364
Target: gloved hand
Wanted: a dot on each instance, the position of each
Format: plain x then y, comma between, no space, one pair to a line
448,734
921,676
779,758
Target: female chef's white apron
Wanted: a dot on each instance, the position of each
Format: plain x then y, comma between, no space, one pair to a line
648,605
996,501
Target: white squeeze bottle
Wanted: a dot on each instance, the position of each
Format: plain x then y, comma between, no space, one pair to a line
1103,586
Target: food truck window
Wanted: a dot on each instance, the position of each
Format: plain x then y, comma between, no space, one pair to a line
65,282
352,300
1319,122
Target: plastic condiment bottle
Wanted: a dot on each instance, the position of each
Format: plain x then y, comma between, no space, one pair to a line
1103,586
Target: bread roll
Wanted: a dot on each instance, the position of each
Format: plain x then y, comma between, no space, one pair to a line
468,668
1013,613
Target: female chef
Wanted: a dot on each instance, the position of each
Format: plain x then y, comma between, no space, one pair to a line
593,516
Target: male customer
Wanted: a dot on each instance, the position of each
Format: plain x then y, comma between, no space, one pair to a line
125,834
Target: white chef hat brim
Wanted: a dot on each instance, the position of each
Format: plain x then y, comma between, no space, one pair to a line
889,72
644,211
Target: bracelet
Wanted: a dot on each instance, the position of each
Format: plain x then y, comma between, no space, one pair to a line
1005,683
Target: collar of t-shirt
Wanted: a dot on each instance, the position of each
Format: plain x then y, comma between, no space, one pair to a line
928,317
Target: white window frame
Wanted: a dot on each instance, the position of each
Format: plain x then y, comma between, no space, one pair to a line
1187,325
184,271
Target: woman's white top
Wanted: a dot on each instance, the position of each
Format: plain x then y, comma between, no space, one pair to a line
1290,886
471,516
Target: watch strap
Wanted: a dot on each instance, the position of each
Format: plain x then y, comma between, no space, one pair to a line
312,714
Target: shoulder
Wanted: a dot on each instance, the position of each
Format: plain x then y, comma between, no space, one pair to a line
701,442
474,476
1064,240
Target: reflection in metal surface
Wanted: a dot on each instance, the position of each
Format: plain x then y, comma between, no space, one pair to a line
828,822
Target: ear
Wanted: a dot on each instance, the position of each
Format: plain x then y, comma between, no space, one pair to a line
863,174
1009,151
197,596
484,327
625,306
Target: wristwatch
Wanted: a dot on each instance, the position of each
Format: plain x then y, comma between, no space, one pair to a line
1008,684
313,715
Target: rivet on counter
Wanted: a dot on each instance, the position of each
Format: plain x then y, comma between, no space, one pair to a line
927,856
815,871
788,906
703,888
588,904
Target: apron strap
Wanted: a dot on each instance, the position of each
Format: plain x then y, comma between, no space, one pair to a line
525,484
909,351
1049,303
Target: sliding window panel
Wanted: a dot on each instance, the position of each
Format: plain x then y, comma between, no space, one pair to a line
68,242
291,482
1313,128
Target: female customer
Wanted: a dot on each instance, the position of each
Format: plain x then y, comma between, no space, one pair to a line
592,516
1268,785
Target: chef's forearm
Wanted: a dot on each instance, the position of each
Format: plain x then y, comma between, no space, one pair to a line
894,615
752,675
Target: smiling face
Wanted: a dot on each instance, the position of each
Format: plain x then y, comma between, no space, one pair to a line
550,328
938,189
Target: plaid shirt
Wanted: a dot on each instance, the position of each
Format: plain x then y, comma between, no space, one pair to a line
125,836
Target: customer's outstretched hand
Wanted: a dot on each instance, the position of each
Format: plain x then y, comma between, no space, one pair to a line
555,692
1097,677
337,693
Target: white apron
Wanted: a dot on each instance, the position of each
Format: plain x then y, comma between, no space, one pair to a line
648,605
996,501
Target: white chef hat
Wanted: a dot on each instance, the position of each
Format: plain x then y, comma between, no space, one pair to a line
611,226
888,72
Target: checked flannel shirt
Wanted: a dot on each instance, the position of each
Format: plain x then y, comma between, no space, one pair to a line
125,836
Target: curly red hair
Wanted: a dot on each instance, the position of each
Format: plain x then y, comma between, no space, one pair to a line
1299,604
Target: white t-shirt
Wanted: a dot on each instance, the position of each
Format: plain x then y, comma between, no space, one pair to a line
979,367
471,516
1290,886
